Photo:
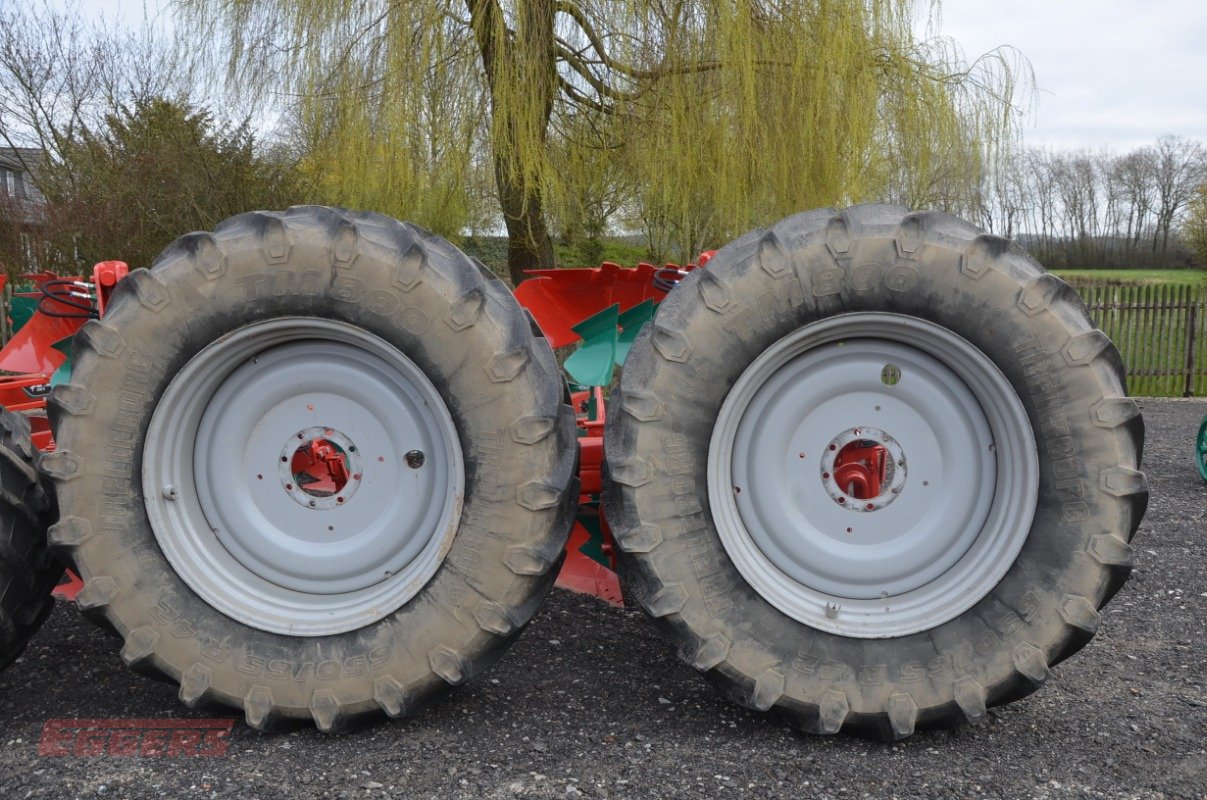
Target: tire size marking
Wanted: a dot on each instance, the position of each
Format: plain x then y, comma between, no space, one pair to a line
383,302
116,492
1054,433
326,670
281,283
179,627
901,277
479,516
706,564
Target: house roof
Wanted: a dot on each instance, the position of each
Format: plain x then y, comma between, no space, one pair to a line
20,158
28,206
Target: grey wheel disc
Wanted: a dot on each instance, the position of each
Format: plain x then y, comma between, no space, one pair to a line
303,476
957,500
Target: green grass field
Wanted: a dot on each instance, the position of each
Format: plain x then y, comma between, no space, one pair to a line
622,253
1139,277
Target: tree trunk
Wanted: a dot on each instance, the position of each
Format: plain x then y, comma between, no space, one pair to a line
531,53
1163,260
528,243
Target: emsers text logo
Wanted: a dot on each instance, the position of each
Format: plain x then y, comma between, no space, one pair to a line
135,737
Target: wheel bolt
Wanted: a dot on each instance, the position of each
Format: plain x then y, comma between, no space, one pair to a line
415,458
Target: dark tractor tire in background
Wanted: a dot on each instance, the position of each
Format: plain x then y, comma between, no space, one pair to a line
28,573
1004,518
313,465
1200,450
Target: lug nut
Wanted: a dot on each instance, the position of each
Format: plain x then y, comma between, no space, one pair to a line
415,458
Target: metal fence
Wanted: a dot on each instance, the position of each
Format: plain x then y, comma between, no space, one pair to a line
1161,331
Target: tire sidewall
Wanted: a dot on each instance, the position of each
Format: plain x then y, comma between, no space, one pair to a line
764,287
418,294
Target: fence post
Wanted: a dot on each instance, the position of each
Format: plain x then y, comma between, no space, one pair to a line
5,306
1191,331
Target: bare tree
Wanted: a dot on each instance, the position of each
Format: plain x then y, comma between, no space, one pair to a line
1136,172
1196,224
120,157
1094,209
59,77
1179,167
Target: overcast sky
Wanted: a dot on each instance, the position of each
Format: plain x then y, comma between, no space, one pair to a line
1113,73
1110,73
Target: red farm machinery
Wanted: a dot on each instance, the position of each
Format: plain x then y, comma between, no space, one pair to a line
872,469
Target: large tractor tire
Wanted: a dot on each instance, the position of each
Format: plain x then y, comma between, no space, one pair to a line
1009,493
28,573
314,465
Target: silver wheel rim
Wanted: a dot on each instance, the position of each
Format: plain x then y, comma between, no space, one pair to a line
954,512
278,549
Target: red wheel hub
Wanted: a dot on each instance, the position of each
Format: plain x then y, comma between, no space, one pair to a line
320,468
860,469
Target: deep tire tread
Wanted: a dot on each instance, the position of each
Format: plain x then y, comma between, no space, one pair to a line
28,573
426,264
646,570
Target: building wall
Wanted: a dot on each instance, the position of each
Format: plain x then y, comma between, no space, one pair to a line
22,212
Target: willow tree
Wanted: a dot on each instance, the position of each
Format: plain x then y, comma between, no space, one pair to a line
719,115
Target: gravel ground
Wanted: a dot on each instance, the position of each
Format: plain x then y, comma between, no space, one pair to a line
590,703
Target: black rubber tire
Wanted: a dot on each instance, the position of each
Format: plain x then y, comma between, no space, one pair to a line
28,573
938,268
420,294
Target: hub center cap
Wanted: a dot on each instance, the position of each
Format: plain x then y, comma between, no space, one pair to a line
319,468
863,469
